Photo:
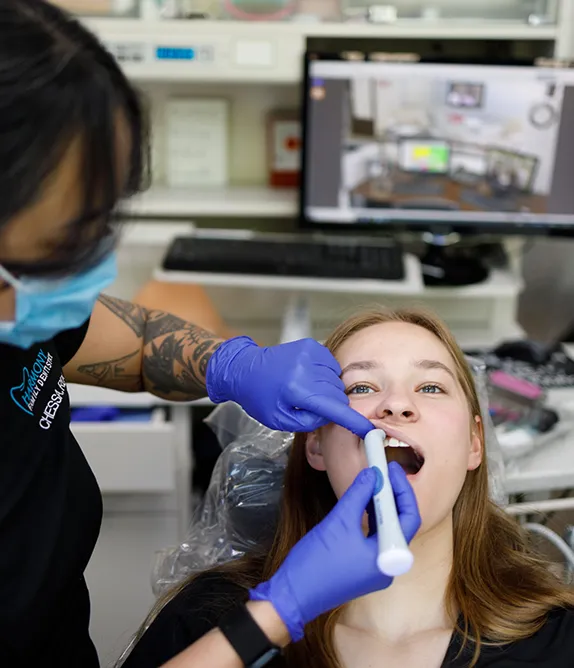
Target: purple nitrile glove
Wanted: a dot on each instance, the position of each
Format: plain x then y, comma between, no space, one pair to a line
335,563
291,387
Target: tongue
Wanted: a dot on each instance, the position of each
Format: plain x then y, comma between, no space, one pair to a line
405,457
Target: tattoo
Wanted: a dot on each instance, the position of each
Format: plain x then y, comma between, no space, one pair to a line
160,323
176,355
201,349
110,372
133,315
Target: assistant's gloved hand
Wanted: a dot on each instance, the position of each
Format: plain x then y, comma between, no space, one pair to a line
335,563
291,387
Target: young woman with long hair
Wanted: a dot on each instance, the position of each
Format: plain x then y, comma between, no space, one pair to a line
475,596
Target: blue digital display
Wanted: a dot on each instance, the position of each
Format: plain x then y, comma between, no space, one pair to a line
174,53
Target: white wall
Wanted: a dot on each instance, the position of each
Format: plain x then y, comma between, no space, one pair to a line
503,121
403,103
546,307
355,164
362,102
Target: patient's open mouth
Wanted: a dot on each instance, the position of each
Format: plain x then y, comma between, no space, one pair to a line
402,453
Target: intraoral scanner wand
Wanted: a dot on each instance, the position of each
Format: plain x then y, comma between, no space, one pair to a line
394,558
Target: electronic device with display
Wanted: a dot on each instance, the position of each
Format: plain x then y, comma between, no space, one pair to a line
394,143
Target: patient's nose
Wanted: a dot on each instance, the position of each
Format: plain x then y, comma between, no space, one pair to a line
397,407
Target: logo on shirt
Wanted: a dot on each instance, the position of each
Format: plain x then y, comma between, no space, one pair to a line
53,405
33,380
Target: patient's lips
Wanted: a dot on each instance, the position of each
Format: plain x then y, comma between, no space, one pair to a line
398,449
403,454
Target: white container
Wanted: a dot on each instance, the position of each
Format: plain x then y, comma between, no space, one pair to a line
197,142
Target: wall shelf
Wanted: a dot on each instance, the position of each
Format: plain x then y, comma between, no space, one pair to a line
233,201
408,28
240,52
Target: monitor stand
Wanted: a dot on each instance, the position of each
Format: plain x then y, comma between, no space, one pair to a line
447,263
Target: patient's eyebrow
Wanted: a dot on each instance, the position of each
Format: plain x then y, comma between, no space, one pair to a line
365,365
434,364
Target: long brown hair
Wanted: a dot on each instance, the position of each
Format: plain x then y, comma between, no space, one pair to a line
498,592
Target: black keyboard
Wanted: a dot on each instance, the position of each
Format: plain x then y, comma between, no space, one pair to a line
335,258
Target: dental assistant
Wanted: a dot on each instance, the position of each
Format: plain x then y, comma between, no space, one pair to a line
72,145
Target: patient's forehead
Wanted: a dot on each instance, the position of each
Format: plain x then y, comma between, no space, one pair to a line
392,343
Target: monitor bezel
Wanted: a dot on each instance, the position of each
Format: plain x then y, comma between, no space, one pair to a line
392,226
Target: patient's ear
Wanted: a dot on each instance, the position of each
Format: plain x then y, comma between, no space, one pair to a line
476,444
313,451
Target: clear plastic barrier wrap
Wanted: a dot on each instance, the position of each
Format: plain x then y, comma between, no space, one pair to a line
240,508
494,458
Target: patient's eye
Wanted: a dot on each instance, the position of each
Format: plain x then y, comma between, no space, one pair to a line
360,389
431,388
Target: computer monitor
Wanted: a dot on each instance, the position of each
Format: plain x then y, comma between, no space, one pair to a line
395,142
424,156
465,95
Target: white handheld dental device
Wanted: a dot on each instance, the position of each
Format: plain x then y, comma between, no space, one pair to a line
394,558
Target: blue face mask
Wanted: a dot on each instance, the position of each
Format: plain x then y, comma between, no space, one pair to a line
45,308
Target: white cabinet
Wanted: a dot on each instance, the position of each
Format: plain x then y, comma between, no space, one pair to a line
144,471
131,458
119,573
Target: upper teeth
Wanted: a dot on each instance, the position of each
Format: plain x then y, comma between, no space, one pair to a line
395,443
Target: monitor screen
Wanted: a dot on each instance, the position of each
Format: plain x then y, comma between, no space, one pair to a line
423,144
424,155
465,95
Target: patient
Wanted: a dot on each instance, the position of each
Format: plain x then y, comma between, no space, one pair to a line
475,595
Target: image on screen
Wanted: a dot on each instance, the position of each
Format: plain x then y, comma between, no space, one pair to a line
387,142
465,95
424,156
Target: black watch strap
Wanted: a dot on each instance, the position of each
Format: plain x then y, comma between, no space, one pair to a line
250,643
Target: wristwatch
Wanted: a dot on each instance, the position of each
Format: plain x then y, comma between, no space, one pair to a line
250,643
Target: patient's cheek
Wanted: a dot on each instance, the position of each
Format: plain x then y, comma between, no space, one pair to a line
343,472
344,457
364,404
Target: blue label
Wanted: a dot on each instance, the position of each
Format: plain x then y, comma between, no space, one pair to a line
174,53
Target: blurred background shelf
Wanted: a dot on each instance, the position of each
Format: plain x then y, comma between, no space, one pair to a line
254,201
242,51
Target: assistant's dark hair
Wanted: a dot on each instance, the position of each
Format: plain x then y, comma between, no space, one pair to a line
58,83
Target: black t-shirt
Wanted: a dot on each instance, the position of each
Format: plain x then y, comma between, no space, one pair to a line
192,613
50,512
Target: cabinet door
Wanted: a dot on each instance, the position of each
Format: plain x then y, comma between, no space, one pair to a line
119,573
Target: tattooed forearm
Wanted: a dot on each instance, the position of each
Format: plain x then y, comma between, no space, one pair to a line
114,373
174,353
133,315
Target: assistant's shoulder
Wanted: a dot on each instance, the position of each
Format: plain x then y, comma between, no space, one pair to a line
189,615
69,342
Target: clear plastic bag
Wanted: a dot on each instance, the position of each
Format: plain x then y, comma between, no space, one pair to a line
241,506
494,457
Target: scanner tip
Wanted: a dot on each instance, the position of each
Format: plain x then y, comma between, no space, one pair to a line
395,562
